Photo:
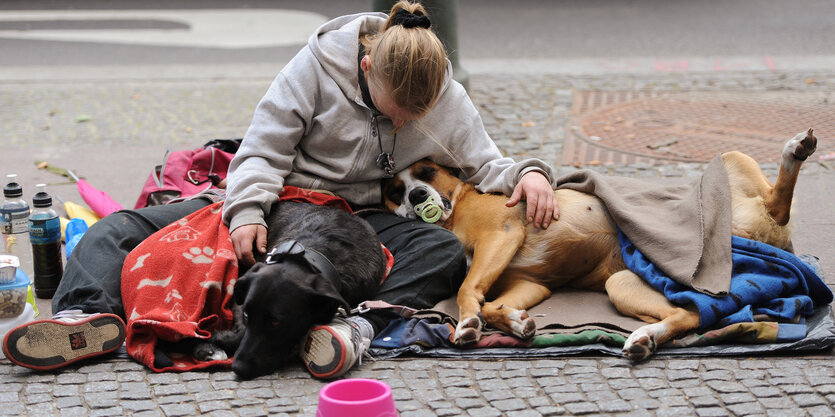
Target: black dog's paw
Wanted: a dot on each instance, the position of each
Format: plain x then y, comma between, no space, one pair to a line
205,351
162,360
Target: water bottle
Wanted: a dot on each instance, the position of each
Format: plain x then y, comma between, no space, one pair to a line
14,223
45,235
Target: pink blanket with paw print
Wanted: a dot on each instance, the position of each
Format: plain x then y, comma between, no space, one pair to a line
177,284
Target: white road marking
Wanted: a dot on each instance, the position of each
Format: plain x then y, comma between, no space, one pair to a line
250,28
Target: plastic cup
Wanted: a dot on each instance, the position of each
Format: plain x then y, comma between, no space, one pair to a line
356,397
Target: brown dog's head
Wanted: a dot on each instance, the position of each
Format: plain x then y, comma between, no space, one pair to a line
425,182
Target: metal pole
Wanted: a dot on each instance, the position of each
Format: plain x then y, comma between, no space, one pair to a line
444,16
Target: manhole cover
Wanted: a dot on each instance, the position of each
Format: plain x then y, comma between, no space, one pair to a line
669,127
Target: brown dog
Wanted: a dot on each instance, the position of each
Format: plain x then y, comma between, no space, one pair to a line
515,266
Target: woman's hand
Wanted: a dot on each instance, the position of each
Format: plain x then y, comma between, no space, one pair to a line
542,205
247,237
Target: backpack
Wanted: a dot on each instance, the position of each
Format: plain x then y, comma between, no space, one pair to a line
188,172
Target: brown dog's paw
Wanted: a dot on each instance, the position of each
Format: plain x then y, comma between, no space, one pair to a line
641,343
807,146
800,147
522,324
640,350
468,331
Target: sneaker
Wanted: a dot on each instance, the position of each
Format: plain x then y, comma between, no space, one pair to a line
68,337
331,350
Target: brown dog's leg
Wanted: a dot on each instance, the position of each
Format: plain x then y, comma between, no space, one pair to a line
761,211
491,256
796,150
632,296
508,311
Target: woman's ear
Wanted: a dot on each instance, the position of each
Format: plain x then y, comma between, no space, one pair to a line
365,63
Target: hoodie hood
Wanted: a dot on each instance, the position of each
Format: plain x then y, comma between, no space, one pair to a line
335,45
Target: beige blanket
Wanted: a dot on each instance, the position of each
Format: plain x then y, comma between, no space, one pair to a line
683,229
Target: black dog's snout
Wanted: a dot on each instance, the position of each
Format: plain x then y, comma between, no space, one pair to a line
418,195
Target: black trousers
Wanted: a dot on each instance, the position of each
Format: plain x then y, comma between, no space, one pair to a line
429,261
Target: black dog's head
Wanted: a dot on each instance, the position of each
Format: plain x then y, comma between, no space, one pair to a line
280,302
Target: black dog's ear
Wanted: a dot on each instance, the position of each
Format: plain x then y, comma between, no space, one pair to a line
327,297
241,289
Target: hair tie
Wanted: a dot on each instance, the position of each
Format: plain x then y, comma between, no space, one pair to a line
409,20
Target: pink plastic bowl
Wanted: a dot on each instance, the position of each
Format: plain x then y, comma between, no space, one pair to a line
356,397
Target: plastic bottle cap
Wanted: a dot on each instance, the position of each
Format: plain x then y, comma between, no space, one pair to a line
12,188
42,199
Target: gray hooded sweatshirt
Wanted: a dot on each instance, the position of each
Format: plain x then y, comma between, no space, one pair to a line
313,130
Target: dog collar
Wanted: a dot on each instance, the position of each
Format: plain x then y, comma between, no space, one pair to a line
294,249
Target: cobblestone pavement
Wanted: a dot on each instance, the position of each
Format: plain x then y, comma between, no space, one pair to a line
527,116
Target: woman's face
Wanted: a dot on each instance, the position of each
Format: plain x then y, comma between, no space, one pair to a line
387,108
383,101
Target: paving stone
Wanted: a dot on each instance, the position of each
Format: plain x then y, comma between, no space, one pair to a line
509,404
497,395
674,411
107,412
745,408
632,393
768,391
484,412
618,384
444,412
467,403
820,411
726,386
644,403
712,412
67,402
170,399
737,397
808,400
781,413
524,413
162,390
611,372
138,405
799,388
614,406
566,397
704,401
557,385
720,375
177,410
552,411
777,403
526,392
581,408
134,391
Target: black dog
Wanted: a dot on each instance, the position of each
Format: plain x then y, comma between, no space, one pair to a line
321,258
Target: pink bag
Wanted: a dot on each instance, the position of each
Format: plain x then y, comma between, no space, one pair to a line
185,173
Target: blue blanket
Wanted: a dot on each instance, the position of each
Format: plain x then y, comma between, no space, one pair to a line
765,280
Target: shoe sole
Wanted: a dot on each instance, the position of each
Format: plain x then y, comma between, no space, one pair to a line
323,336
49,344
